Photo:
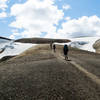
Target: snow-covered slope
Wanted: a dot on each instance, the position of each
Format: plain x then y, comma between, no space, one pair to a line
12,48
84,43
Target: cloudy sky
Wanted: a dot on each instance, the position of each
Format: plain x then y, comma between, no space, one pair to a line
49,18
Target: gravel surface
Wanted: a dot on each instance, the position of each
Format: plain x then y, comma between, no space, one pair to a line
42,76
88,60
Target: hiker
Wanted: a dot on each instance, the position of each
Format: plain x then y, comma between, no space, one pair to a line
54,48
65,50
51,45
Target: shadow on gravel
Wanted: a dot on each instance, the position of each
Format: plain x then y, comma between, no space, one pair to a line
6,58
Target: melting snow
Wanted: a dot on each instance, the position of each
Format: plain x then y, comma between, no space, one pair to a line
84,43
13,48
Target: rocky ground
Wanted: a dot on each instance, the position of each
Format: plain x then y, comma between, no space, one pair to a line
96,46
41,74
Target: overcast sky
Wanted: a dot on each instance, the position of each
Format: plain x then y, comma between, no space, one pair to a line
49,18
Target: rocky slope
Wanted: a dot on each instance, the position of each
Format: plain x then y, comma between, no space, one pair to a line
96,46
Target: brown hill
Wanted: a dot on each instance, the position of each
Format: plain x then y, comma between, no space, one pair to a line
4,38
41,40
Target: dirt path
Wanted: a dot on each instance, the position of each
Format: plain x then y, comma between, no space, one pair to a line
42,76
93,77
89,61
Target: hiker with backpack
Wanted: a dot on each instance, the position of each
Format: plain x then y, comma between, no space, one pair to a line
65,50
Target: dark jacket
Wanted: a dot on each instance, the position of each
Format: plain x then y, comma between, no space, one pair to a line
65,49
54,46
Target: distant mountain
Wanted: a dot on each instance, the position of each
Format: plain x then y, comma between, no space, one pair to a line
84,43
5,38
42,40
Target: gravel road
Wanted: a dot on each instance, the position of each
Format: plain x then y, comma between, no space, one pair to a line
38,74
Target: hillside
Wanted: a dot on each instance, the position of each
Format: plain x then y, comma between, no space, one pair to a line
42,40
41,74
4,38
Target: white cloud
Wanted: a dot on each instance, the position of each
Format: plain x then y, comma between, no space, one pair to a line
3,4
3,7
3,15
84,26
67,18
35,17
13,36
66,7
38,16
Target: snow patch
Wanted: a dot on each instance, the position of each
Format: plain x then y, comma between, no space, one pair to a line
84,43
13,48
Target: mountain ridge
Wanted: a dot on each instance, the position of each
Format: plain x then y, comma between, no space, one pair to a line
4,38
